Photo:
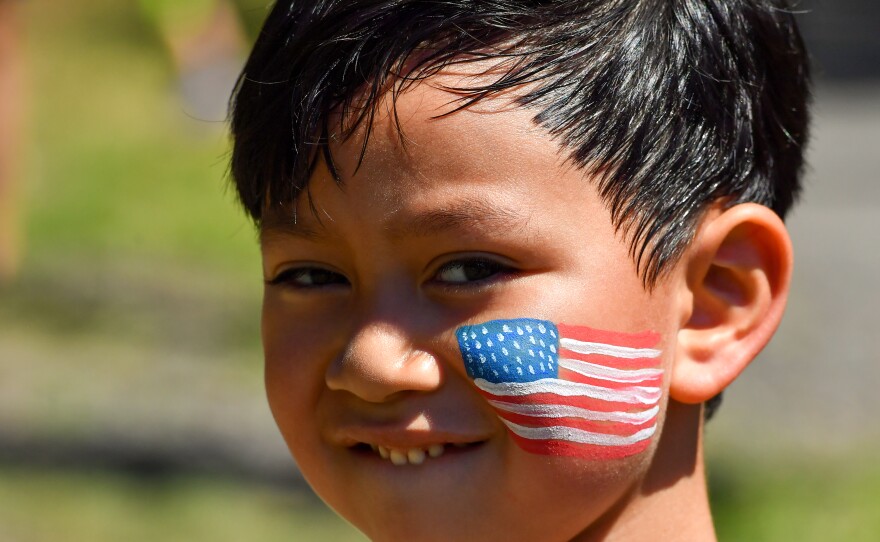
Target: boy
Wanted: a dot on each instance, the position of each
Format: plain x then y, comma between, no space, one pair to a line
513,248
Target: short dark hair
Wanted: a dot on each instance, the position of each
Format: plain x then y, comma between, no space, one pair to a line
674,104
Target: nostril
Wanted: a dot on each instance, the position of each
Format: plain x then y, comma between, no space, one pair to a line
378,365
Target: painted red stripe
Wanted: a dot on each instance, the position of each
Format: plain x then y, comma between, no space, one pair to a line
645,339
611,361
584,451
607,428
571,376
577,400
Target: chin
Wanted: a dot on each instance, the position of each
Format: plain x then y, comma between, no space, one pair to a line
437,526
463,517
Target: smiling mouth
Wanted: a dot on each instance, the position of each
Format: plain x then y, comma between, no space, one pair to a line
412,456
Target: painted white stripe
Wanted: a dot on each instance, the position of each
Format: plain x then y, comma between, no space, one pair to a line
582,347
609,373
647,395
570,434
565,411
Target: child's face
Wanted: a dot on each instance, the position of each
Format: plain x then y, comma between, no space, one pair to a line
476,218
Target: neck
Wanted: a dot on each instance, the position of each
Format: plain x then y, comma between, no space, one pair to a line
671,503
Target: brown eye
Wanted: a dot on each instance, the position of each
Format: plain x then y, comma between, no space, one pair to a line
309,277
471,270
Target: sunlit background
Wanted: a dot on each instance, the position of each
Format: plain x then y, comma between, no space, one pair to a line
131,400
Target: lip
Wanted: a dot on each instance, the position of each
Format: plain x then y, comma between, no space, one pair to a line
402,437
399,446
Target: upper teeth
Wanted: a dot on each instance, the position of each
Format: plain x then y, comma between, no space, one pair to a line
413,456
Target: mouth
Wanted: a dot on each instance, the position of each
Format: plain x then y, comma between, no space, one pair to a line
416,455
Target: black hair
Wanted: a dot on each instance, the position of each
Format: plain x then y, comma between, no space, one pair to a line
675,104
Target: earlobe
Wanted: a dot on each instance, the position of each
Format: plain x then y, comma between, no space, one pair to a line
738,271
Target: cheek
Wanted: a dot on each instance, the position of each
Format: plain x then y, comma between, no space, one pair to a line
288,400
291,375
566,390
294,405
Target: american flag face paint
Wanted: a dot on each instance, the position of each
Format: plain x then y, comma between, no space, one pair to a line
567,390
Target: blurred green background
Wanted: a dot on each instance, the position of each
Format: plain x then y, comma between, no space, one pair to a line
131,402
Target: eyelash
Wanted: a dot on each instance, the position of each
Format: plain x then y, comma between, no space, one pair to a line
288,278
490,270
494,269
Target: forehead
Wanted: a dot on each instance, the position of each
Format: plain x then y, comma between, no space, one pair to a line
423,157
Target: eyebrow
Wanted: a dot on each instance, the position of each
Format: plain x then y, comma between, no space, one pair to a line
275,224
461,215
466,214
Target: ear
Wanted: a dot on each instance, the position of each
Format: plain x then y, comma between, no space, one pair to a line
738,271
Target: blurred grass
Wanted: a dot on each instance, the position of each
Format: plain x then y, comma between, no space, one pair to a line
133,233
115,170
38,506
774,499
141,288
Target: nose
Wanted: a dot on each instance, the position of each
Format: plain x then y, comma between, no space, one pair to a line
380,363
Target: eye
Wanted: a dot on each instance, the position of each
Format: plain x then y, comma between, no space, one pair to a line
470,270
308,277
